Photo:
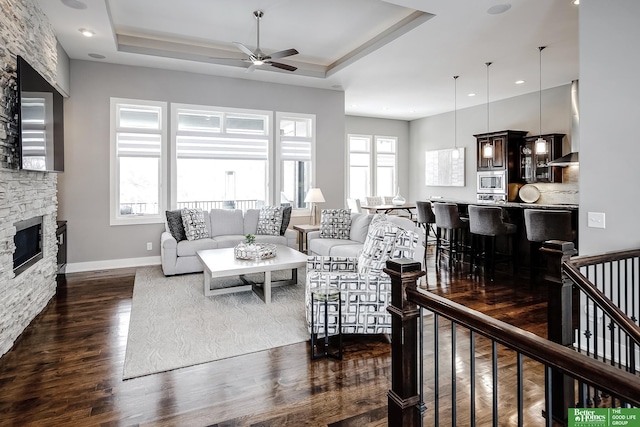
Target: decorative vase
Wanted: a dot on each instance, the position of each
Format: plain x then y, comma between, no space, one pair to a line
398,200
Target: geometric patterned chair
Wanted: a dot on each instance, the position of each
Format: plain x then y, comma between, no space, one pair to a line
365,288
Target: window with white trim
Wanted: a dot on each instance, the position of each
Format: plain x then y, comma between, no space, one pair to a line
295,146
138,166
372,164
220,157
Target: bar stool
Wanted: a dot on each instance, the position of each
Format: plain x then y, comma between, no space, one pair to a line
426,219
546,224
448,219
486,222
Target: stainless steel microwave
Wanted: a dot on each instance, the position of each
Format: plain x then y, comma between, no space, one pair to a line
492,182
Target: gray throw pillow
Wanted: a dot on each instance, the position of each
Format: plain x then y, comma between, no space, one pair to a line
194,225
335,224
286,218
270,220
175,225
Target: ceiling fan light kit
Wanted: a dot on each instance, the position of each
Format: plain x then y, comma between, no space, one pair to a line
257,58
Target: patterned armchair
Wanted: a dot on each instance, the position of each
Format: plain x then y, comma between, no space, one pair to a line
365,287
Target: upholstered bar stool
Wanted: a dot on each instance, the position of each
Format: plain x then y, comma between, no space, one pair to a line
485,222
426,219
448,219
546,224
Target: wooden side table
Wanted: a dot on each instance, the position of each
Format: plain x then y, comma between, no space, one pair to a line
302,230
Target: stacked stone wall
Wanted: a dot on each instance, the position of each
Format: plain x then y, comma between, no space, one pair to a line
24,31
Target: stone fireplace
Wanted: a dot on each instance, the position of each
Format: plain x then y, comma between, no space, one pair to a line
24,195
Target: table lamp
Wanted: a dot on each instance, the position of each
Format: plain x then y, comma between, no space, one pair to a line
314,195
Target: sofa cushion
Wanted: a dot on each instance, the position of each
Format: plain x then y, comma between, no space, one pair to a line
175,225
190,247
226,221
323,246
352,251
335,224
405,244
251,217
194,223
359,227
228,241
286,219
270,220
378,247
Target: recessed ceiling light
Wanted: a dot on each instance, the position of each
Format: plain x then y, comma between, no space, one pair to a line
86,33
519,82
97,56
471,94
498,9
74,4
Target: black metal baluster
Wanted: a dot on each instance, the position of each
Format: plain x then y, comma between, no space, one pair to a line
520,391
494,369
472,361
548,396
436,384
453,373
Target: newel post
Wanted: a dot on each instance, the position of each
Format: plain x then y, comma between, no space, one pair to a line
403,397
559,319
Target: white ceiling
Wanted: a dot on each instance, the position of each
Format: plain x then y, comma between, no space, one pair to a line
394,59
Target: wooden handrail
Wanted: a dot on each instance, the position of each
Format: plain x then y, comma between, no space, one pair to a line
581,367
601,300
583,261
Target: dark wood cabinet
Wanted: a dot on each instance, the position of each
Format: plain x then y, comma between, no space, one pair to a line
534,157
494,149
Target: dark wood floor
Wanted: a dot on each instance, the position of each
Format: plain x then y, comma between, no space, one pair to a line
66,368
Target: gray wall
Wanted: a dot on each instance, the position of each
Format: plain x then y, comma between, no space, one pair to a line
518,113
609,150
384,127
84,186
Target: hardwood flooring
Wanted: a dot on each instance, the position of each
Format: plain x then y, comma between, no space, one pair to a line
66,368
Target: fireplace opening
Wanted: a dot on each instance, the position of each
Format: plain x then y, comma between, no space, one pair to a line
28,242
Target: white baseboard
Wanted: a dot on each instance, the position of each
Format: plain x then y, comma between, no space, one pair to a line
109,264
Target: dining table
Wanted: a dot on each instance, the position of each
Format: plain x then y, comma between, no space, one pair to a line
409,207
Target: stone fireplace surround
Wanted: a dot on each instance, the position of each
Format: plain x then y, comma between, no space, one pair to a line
24,194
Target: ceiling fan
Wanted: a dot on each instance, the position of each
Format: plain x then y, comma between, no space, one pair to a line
258,58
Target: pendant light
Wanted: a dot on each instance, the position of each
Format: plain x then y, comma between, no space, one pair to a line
541,144
456,153
487,149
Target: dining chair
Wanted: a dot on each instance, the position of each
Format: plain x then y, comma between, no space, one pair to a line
354,205
374,200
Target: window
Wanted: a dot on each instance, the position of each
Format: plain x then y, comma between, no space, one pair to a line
295,143
372,166
220,157
138,173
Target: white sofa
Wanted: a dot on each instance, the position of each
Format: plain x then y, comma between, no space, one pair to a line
227,228
318,246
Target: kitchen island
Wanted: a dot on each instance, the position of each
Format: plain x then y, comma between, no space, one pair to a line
514,213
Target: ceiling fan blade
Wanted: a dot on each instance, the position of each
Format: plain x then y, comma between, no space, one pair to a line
251,68
283,53
243,48
282,66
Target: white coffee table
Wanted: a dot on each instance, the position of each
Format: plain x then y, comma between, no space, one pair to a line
223,263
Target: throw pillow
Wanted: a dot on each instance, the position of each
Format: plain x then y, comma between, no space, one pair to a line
286,218
405,244
175,225
194,225
270,220
378,248
335,224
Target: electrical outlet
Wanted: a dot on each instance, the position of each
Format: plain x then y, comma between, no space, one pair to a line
149,246
595,220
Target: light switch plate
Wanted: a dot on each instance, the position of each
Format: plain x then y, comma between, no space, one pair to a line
595,220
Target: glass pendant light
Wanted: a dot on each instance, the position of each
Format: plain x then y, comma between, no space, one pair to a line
487,149
456,153
541,144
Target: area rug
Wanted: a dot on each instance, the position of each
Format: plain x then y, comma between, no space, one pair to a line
173,325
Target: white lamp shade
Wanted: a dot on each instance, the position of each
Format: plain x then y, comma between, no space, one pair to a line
314,196
541,146
487,151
